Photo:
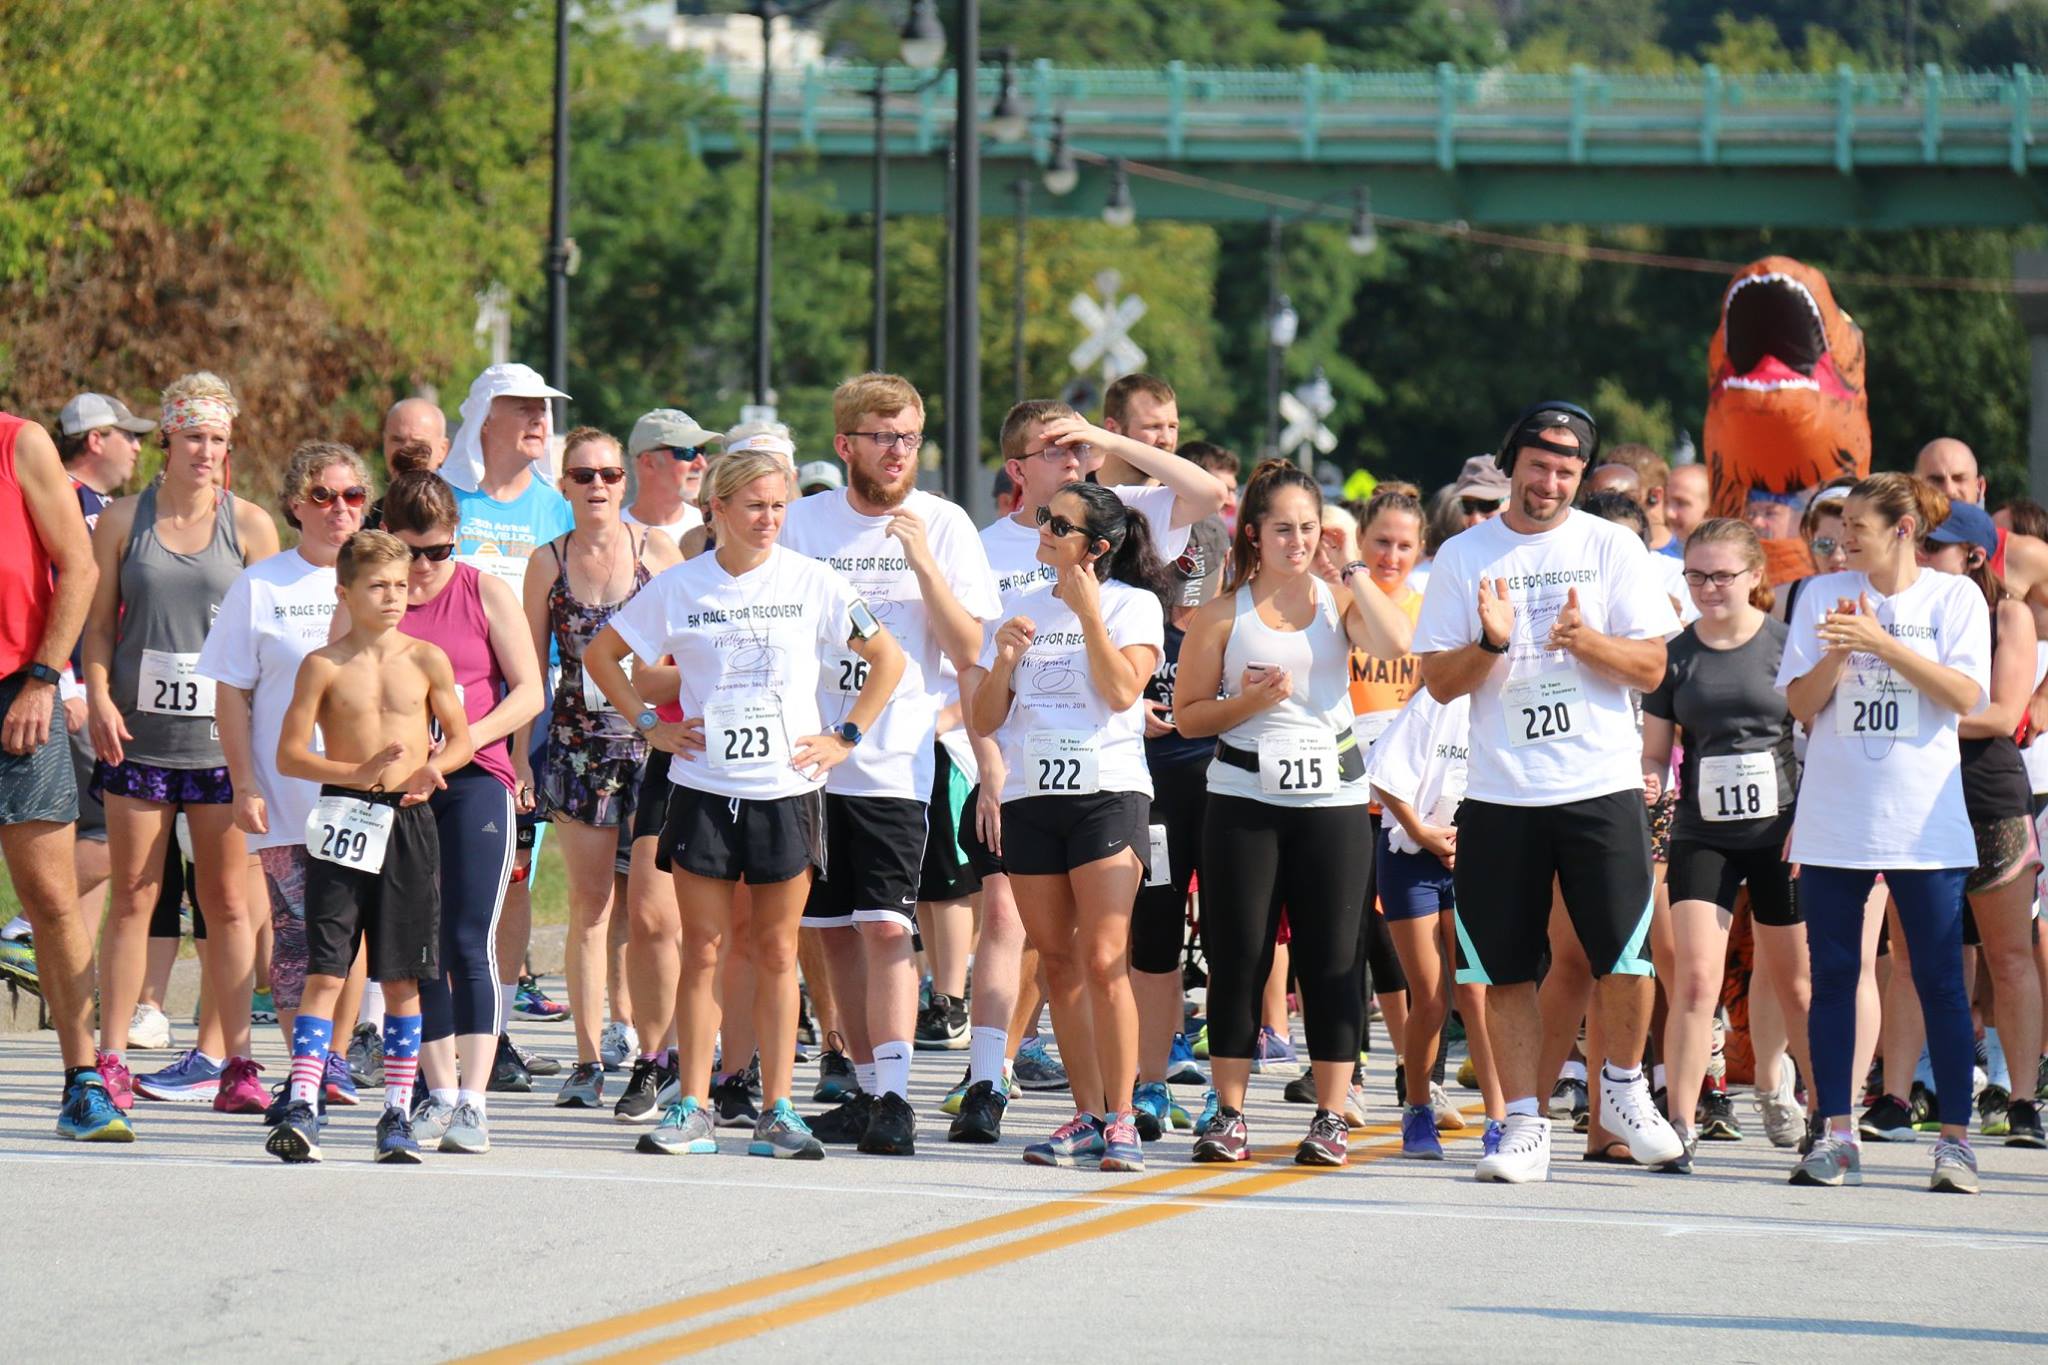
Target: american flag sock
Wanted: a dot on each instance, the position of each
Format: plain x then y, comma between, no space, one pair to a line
310,1039
401,1058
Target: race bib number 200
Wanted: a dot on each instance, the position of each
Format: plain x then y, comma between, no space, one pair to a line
1877,704
349,832
1544,709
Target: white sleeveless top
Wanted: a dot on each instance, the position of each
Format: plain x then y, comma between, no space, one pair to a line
1318,711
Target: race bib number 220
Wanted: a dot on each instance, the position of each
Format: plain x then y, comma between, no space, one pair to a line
1543,709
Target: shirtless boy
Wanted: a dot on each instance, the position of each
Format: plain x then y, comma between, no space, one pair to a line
375,857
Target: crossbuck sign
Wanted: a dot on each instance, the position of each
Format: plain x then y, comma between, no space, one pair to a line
1303,412
1108,325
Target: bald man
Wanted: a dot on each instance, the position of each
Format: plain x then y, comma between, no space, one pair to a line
416,419
1615,478
1685,500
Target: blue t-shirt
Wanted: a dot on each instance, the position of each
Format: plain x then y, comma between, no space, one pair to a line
499,537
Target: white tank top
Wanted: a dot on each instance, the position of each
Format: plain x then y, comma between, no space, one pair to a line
1319,709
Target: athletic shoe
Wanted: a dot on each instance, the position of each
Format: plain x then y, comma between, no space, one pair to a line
981,1115
782,1134
240,1092
530,1002
117,1079
1489,1141
1873,1082
1682,1163
618,1046
509,1075
1449,1118
1717,1121
535,1063
733,1103
1152,1107
262,1009
1199,1044
1468,1075
149,1029
584,1089
1834,1160
1418,1134
1925,1108
1207,1118
1523,1156
892,1128
684,1130
637,1104
431,1119
1327,1142
2041,1082
1227,1138
297,1137
1626,1112
2023,1125
339,1085
1300,1090
18,964
837,1080
396,1145
1784,1117
1993,1119
1273,1055
1181,1066
88,1113
189,1080
366,1055
1076,1142
941,1025
1122,1150
1354,1105
1955,1168
955,1096
466,1134
1568,1098
1886,1121
671,1082
1037,1068
848,1123
753,1079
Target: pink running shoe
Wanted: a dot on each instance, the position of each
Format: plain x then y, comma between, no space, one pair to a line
114,1075
240,1091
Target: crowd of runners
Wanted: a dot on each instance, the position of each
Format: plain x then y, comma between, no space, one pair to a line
1537,761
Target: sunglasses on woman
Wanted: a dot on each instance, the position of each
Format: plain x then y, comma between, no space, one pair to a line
434,554
1059,525
586,475
320,495
1824,546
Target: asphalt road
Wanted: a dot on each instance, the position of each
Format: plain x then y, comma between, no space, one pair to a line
562,1243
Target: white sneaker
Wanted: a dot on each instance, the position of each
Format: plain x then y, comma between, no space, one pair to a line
1449,1118
1627,1111
1524,1153
149,1029
618,1046
1784,1119
17,927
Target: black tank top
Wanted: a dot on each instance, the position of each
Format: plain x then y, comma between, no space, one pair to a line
1995,785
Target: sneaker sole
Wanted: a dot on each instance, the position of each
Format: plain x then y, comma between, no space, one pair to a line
2026,1140
1042,1085
1187,1078
579,1101
1423,1153
886,1148
542,1016
289,1146
1447,1122
973,1137
769,1149
170,1095
649,1117
1887,1134
1800,1177
346,1099
1305,1155
1064,1163
398,1156
256,1105
463,1149
115,1131
1127,1165
1505,1178
1219,1156
695,1147
1949,1185
1720,1133
940,1044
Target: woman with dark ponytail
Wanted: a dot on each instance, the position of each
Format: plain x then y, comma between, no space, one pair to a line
1060,688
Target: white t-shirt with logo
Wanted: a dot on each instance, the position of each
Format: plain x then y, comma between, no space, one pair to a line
1421,759
896,758
1054,693
274,615
1546,729
1883,784
687,521
1013,548
751,650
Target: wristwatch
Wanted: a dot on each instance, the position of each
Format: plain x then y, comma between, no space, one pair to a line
849,732
1355,566
43,673
1489,647
646,720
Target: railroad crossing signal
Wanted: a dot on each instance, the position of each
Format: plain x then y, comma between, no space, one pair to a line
1108,326
1303,411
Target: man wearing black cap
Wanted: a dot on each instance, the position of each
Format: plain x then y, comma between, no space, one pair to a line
1547,618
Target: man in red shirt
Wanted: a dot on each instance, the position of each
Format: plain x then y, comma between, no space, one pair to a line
45,587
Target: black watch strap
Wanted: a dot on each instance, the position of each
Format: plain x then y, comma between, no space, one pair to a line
1490,647
42,672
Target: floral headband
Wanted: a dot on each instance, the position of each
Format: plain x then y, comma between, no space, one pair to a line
181,413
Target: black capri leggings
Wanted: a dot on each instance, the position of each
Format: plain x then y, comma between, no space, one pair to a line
1159,918
474,816
1312,861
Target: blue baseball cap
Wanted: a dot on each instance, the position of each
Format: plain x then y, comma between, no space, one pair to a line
1966,524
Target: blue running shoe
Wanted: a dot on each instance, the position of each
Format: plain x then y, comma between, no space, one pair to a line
1273,1055
1181,1066
89,1114
684,1130
395,1143
338,1083
1036,1067
1418,1134
1210,1108
297,1138
189,1080
1073,1143
1490,1143
1153,1110
1121,1149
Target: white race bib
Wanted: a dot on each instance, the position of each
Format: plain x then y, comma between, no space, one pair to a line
594,700
845,672
350,832
1877,704
1061,763
1159,868
171,685
1545,708
1738,787
507,569
739,735
1297,765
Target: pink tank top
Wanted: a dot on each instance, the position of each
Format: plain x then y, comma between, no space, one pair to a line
454,620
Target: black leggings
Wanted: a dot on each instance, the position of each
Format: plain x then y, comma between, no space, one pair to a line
1159,918
474,817
1259,859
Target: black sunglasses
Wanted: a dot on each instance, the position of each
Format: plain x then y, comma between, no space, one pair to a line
683,454
320,495
586,475
1059,525
433,553
1475,507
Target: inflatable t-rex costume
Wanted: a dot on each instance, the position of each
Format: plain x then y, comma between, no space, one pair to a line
1786,408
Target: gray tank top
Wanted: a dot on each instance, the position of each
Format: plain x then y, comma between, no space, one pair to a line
168,602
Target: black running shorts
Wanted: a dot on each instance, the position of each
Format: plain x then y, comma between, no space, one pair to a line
874,848
732,839
1050,836
398,909
1703,873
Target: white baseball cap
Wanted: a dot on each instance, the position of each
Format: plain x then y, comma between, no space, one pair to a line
820,474
94,411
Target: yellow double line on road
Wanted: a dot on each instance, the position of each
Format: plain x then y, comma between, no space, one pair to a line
1236,1183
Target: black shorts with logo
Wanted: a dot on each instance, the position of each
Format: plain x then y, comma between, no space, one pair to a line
397,909
1049,836
731,839
875,846
947,874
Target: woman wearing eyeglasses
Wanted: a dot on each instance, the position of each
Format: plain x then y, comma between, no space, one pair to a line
476,621
167,557
1738,778
592,771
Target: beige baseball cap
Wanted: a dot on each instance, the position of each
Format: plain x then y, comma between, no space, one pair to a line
668,427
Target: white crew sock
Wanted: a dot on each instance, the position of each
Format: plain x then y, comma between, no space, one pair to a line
372,1012
475,1097
1619,1075
987,1049
451,1098
1574,1070
1526,1106
864,1076
892,1069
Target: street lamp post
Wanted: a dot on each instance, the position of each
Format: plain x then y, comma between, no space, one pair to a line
558,217
1021,187
878,346
964,451
1282,322
764,244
